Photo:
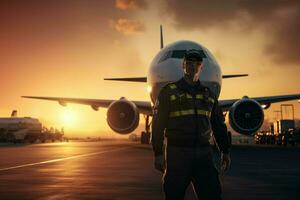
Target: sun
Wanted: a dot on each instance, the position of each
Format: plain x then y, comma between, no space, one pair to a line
69,117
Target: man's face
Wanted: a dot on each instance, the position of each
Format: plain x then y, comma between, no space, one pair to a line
192,69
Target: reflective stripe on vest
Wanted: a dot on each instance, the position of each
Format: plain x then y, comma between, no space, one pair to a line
189,112
173,97
198,96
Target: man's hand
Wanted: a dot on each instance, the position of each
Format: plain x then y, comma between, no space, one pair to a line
225,158
160,163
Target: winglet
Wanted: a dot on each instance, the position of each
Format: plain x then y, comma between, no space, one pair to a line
132,79
161,37
234,75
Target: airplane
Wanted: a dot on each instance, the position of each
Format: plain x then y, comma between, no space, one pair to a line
18,129
246,114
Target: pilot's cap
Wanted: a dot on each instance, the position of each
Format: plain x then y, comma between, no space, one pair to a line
193,55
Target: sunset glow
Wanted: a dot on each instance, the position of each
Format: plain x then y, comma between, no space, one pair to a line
69,118
65,49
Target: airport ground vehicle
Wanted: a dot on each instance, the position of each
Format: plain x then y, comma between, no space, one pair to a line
282,132
264,138
28,136
292,137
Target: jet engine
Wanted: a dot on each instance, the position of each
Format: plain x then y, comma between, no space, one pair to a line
246,116
122,116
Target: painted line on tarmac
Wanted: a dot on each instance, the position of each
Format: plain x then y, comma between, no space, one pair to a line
63,159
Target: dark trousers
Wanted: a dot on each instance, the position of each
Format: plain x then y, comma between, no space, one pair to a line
186,165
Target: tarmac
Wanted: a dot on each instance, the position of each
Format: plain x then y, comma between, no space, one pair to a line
113,170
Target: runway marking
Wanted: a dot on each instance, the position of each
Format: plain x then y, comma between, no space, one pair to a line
63,159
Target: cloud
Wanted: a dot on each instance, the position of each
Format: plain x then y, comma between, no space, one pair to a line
280,20
130,4
128,27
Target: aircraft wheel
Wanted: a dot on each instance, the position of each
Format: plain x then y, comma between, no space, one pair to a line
145,138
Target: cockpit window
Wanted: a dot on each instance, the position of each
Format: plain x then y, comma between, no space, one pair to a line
178,54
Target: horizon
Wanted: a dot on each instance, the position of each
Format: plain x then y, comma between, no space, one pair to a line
66,49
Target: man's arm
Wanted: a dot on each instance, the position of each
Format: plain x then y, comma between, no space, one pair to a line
219,128
160,120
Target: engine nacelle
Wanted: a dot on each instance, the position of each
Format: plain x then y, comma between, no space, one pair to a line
246,116
122,116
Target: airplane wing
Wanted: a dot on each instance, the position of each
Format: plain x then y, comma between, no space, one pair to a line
226,104
144,106
143,79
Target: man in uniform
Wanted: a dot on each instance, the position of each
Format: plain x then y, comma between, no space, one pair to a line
186,113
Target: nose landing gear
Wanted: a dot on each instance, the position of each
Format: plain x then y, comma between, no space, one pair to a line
145,135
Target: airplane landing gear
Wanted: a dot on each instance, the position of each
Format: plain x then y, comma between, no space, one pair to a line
145,135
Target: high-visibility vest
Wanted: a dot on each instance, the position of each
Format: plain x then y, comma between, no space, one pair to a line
189,116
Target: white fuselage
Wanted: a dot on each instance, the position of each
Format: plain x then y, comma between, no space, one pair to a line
167,67
16,123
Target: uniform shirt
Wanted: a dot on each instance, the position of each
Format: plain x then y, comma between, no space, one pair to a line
161,115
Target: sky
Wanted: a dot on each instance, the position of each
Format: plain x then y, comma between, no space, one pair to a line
64,48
